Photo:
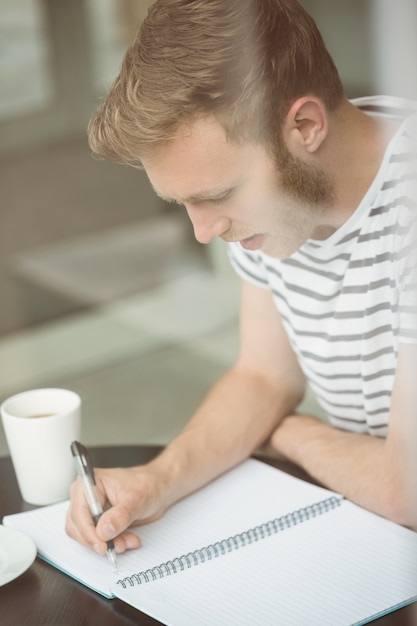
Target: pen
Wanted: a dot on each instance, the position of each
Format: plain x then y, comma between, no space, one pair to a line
85,471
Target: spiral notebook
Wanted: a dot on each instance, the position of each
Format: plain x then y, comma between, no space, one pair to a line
255,547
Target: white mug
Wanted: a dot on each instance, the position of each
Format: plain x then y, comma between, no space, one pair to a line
40,425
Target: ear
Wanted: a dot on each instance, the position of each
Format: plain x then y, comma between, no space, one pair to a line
306,125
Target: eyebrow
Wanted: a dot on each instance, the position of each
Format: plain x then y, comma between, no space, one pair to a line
201,196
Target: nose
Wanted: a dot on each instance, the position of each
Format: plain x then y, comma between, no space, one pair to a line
207,225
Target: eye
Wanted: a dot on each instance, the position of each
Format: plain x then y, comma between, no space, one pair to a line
222,199
226,195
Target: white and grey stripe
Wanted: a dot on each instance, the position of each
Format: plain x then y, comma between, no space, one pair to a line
347,302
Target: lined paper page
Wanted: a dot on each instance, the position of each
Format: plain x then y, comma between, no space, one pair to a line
247,495
342,568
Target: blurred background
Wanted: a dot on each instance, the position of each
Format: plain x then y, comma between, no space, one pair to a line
102,287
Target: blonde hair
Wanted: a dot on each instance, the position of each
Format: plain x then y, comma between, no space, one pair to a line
242,61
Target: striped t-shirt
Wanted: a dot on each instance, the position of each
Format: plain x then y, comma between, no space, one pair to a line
348,301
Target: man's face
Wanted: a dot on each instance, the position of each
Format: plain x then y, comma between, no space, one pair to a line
236,191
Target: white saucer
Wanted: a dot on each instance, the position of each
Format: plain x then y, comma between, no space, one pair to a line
17,553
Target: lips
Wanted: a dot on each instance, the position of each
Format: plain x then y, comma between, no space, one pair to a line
252,243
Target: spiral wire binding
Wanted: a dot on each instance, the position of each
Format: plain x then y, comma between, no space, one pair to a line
235,542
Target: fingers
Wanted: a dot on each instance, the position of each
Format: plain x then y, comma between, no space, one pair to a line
79,523
112,524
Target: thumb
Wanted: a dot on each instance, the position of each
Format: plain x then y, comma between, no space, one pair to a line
113,522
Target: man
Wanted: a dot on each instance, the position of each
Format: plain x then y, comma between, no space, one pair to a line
235,109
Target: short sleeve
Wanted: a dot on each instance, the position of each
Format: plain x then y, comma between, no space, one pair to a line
408,290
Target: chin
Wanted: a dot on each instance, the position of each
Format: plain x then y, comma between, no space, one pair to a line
279,252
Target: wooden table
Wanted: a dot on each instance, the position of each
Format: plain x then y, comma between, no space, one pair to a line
44,595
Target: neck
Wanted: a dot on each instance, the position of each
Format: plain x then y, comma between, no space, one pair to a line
353,155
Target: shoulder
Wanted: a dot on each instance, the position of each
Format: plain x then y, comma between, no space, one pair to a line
386,106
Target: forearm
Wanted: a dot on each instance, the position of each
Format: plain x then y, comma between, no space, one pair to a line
365,469
239,414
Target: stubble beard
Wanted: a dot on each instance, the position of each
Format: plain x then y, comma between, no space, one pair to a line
310,193
303,182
